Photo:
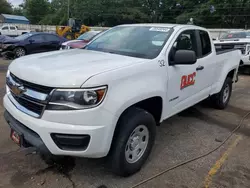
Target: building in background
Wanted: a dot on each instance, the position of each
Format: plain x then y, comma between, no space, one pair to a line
7,18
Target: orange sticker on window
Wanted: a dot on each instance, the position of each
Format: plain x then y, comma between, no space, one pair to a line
188,80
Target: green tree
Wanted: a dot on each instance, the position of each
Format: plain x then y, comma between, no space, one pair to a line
36,10
5,7
18,11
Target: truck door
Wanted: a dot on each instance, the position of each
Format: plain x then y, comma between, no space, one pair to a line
5,30
206,68
13,31
182,78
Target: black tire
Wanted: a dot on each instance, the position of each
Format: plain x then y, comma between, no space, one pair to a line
218,99
69,36
133,118
19,52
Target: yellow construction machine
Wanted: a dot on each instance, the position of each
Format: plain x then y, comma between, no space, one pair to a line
73,30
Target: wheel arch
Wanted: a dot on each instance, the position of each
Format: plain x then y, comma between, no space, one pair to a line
153,105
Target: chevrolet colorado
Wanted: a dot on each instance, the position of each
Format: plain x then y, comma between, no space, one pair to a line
108,98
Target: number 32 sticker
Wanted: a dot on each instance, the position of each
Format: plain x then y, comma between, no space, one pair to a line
161,63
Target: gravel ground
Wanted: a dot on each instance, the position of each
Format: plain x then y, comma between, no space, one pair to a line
184,136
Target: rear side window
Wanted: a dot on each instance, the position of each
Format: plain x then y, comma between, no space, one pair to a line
37,38
5,28
205,43
51,38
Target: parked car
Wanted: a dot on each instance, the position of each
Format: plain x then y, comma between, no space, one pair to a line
30,43
236,40
11,30
108,98
81,41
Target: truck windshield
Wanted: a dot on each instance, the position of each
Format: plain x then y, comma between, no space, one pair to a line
236,35
136,41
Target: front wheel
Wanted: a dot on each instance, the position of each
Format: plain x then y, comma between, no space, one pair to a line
133,141
19,52
221,99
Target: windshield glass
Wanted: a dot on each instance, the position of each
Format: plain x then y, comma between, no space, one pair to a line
87,36
136,41
24,36
238,35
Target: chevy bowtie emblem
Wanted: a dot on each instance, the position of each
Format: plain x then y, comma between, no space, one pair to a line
17,90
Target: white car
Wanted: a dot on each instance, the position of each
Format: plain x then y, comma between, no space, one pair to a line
236,40
12,31
110,97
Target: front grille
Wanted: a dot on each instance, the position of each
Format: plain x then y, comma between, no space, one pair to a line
35,87
240,46
34,107
30,104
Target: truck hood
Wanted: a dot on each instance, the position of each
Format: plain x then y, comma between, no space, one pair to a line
67,68
232,41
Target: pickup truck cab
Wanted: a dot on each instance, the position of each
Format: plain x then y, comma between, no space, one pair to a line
107,99
12,31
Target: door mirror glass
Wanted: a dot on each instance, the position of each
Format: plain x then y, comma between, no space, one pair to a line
184,57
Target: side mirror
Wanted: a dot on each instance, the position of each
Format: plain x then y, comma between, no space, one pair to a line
184,57
31,41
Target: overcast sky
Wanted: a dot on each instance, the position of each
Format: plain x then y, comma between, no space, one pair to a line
15,2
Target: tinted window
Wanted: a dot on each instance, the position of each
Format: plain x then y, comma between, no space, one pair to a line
12,28
5,28
205,43
23,36
124,40
52,38
37,38
185,41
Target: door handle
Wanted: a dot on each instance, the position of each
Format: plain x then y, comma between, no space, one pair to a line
199,68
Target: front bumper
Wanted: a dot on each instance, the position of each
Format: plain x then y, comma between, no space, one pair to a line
30,137
97,123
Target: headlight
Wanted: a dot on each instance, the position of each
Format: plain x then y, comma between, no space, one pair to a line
76,99
5,46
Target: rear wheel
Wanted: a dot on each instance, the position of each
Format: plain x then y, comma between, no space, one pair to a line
133,141
221,99
19,52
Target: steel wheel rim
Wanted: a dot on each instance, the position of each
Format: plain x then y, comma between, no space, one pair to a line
20,52
137,144
226,93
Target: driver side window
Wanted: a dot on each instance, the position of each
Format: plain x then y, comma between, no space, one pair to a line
185,41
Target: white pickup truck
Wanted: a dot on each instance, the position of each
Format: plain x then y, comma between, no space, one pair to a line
12,31
107,99
236,40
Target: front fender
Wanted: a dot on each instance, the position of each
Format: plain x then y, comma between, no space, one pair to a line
130,85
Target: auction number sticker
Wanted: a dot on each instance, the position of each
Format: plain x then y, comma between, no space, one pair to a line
160,29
